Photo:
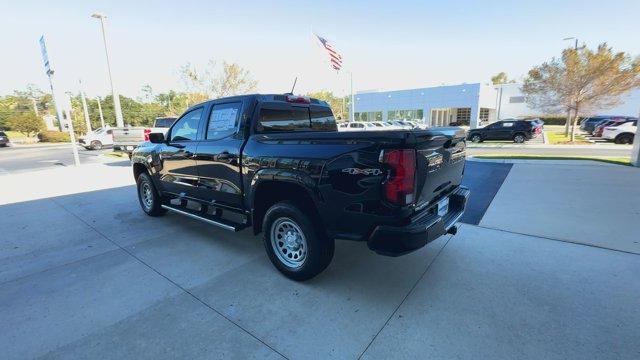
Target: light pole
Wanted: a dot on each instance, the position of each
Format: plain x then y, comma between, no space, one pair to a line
100,111
87,120
72,134
114,93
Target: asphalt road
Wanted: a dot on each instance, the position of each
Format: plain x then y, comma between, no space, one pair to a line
18,159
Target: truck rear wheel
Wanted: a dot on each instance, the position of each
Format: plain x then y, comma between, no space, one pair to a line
295,243
148,195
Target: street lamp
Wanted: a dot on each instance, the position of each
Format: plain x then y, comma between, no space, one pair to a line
114,93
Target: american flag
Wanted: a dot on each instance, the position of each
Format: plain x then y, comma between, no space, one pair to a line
335,59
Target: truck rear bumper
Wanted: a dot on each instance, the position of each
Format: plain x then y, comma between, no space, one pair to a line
424,228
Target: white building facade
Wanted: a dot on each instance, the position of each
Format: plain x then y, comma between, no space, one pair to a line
465,104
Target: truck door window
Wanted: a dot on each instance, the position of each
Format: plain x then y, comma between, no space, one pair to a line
186,128
223,120
294,118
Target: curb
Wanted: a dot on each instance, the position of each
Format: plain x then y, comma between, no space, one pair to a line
585,162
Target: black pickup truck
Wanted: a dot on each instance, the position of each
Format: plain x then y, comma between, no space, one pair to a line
276,163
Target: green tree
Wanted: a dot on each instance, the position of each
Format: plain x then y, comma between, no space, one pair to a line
22,101
173,103
581,81
211,82
26,123
501,78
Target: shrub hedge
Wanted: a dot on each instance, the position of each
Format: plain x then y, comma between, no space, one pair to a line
53,136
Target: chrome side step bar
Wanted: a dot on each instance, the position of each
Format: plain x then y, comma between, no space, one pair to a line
219,223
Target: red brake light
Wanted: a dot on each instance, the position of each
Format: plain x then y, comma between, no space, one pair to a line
146,134
298,99
399,188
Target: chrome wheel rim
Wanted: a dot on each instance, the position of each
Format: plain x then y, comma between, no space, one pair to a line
146,195
288,242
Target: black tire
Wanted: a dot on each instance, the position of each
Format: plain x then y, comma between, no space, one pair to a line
148,196
476,138
96,145
317,253
519,138
624,139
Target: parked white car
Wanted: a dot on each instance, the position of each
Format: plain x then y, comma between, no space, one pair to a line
380,125
621,133
391,126
97,139
359,126
401,124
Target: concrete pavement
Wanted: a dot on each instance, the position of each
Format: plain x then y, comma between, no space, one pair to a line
553,150
586,202
85,274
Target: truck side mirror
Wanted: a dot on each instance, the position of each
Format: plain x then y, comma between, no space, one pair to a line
156,138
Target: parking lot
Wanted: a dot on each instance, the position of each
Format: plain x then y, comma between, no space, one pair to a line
544,267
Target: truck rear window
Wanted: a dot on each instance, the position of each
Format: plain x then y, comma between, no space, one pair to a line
296,118
277,120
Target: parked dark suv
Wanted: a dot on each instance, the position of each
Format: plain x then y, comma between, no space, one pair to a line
517,130
4,139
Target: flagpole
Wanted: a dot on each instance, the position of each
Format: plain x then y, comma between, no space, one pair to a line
342,90
352,116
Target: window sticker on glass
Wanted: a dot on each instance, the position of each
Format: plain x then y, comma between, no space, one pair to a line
223,120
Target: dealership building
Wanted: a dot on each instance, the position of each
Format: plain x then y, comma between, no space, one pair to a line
465,104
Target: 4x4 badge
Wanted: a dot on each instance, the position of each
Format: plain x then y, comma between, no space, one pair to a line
356,171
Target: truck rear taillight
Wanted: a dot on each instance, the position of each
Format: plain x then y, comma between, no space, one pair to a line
298,99
399,188
146,134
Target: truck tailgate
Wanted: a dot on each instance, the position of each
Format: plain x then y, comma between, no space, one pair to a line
128,135
440,155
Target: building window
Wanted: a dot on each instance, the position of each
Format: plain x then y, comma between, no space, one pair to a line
406,115
516,99
484,114
368,116
463,116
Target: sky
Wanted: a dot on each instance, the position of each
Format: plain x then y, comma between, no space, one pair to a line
385,44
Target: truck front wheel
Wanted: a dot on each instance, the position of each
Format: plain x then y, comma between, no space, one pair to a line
148,195
295,243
